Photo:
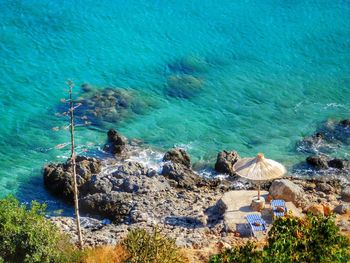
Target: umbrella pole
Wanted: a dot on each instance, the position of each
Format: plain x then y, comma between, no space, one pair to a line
259,191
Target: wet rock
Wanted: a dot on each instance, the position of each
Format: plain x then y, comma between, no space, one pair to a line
345,194
58,178
114,206
288,191
345,123
339,163
116,142
225,161
318,161
184,86
179,156
311,144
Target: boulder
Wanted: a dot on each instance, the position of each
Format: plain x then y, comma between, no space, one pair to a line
345,194
339,163
316,209
342,209
114,206
116,142
325,188
225,161
288,191
58,178
181,175
345,123
318,161
179,156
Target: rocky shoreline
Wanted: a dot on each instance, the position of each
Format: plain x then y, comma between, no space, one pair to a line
116,194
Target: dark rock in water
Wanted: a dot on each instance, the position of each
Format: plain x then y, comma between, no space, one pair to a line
114,206
225,161
339,163
312,143
318,161
184,86
179,156
182,176
345,123
323,162
58,178
116,142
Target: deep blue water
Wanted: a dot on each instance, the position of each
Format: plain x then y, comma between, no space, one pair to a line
270,72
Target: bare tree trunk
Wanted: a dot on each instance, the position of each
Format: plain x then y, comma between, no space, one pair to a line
75,186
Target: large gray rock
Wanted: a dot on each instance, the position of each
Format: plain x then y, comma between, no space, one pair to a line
114,206
179,156
58,178
225,162
345,194
181,175
288,191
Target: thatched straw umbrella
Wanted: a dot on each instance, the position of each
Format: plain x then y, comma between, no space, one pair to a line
259,169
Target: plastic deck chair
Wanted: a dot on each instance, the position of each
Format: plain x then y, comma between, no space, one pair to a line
279,208
256,223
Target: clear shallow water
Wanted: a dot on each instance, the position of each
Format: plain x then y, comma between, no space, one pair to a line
273,70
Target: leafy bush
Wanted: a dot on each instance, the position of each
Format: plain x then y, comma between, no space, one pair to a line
26,236
292,239
151,248
313,239
242,254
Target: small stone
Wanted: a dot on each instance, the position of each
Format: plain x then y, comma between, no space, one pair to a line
316,209
342,209
345,194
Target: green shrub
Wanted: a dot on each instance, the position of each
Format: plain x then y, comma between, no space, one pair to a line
313,239
145,247
26,236
291,239
241,254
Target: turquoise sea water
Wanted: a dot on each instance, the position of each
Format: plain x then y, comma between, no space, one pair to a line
272,71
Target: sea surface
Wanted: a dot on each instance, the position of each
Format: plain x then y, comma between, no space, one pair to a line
270,73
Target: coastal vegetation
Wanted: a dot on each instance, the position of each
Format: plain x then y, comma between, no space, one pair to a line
293,239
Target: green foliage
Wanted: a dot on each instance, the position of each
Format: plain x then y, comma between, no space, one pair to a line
145,247
313,239
26,236
243,254
291,239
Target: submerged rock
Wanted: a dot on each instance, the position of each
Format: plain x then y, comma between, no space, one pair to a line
58,178
184,86
318,161
225,162
189,65
179,156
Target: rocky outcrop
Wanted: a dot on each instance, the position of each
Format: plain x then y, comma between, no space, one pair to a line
178,156
322,162
116,142
58,178
225,162
112,205
181,176
288,191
